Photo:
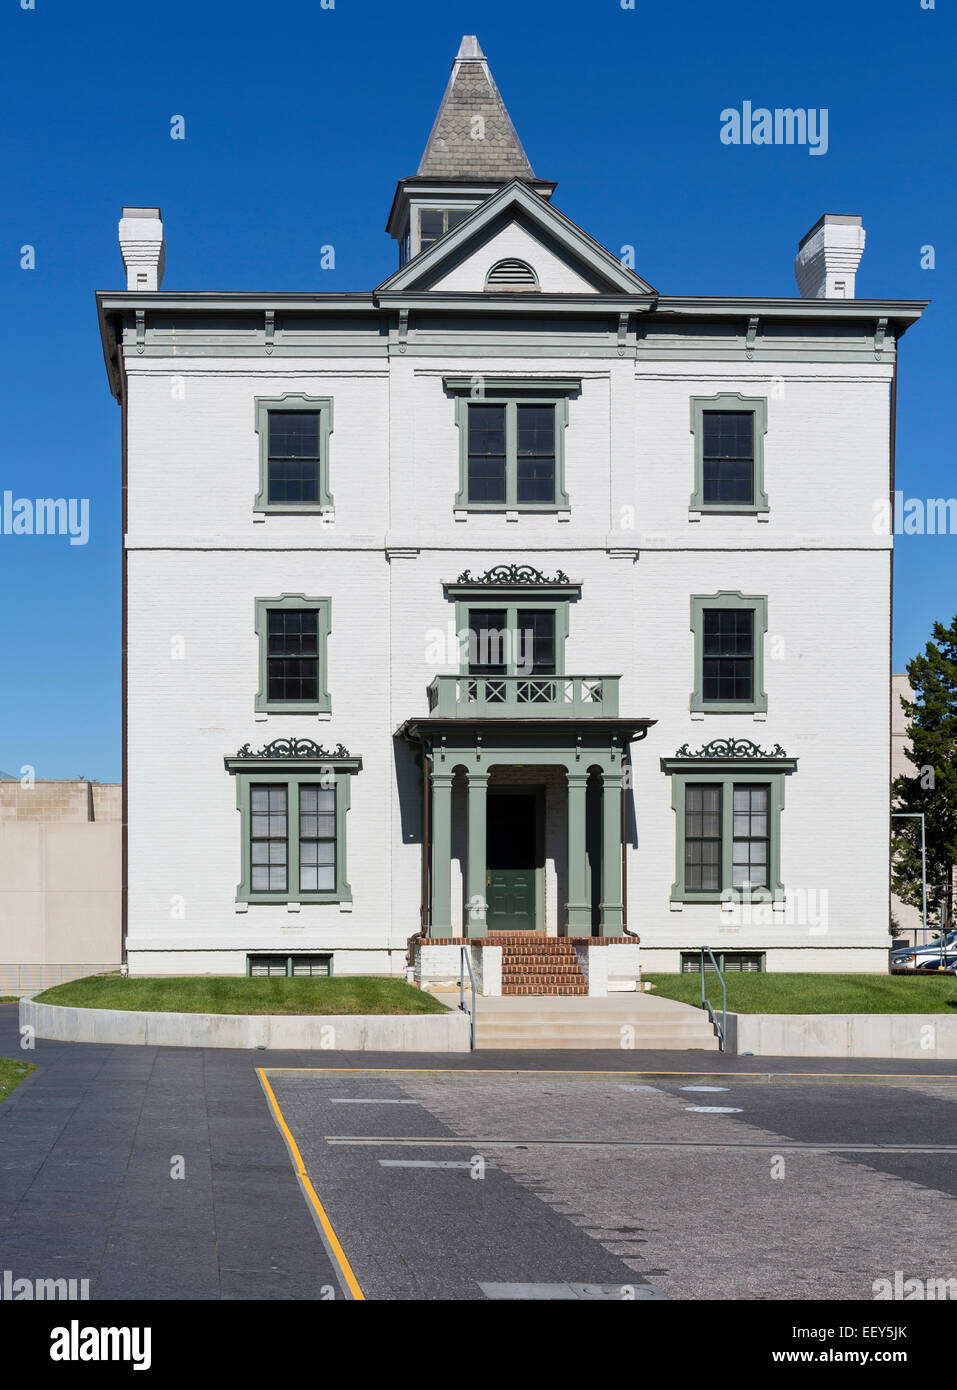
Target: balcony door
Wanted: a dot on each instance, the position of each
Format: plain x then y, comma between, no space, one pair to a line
512,877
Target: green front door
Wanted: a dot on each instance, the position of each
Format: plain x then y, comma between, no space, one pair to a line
511,875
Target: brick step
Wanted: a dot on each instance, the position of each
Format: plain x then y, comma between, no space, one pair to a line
515,954
544,968
545,977
543,989
529,971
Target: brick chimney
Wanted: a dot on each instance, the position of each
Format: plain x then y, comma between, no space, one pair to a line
143,248
828,257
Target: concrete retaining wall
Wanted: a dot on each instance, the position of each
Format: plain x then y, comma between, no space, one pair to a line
326,1032
924,1037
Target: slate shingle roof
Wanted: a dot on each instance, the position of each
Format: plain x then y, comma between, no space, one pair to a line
461,148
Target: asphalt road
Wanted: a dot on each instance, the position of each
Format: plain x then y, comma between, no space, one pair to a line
572,1175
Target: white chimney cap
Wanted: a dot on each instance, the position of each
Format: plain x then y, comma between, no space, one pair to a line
143,248
828,257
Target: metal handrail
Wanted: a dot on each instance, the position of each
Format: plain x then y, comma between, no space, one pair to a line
466,961
722,1027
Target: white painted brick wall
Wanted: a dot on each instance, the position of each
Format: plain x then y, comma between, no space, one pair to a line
198,560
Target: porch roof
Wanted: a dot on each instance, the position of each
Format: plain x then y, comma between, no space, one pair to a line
589,731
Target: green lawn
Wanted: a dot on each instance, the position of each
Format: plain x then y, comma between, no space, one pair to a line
9,998
817,994
11,1074
217,994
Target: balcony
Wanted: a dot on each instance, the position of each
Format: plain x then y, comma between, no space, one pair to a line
524,697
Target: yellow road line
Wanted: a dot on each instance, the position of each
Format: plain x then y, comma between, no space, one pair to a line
336,1252
581,1071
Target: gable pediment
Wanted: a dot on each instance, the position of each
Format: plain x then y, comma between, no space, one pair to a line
517,224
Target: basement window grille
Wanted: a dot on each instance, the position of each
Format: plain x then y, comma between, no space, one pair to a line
289,967
749,962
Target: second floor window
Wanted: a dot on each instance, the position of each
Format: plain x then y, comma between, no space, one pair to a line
728,637
512,642
293,632
728,656
292,656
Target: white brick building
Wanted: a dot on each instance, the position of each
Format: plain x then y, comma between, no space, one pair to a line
655,517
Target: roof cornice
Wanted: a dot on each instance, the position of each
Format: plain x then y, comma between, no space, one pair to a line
907,310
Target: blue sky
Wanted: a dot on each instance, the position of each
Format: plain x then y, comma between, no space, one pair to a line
299,121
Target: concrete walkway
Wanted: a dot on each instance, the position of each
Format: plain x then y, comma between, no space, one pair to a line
88,1144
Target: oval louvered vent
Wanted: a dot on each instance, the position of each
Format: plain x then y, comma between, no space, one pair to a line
511,275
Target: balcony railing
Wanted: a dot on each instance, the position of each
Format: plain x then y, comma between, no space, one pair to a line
524,697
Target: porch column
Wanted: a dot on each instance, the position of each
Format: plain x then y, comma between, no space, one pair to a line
612,909
579,907
476,891
441,924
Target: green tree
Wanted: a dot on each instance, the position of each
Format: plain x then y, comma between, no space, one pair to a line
932,787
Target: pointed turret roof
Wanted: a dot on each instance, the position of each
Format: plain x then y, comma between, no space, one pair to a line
454,150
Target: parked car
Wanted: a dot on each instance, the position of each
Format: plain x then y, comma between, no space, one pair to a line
911,957
935,963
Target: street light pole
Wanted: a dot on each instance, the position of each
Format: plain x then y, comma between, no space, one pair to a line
919,815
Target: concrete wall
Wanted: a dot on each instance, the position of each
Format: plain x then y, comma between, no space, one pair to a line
354,1033
60,883
923,1037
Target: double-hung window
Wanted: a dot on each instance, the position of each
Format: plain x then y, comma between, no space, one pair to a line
294,433
293,798
705,870
728,798
729,630
511,444
728,432
292,632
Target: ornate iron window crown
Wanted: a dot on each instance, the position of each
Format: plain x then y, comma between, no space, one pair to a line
513,574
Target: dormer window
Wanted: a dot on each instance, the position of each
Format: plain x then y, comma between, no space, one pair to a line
511,274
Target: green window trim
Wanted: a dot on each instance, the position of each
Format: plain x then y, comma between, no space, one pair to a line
323,606
293,775
729,400
322,405
479,390
727,773
729,599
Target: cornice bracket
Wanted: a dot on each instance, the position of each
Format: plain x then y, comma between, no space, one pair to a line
622,333
270,330
879,338
752,335
141,331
